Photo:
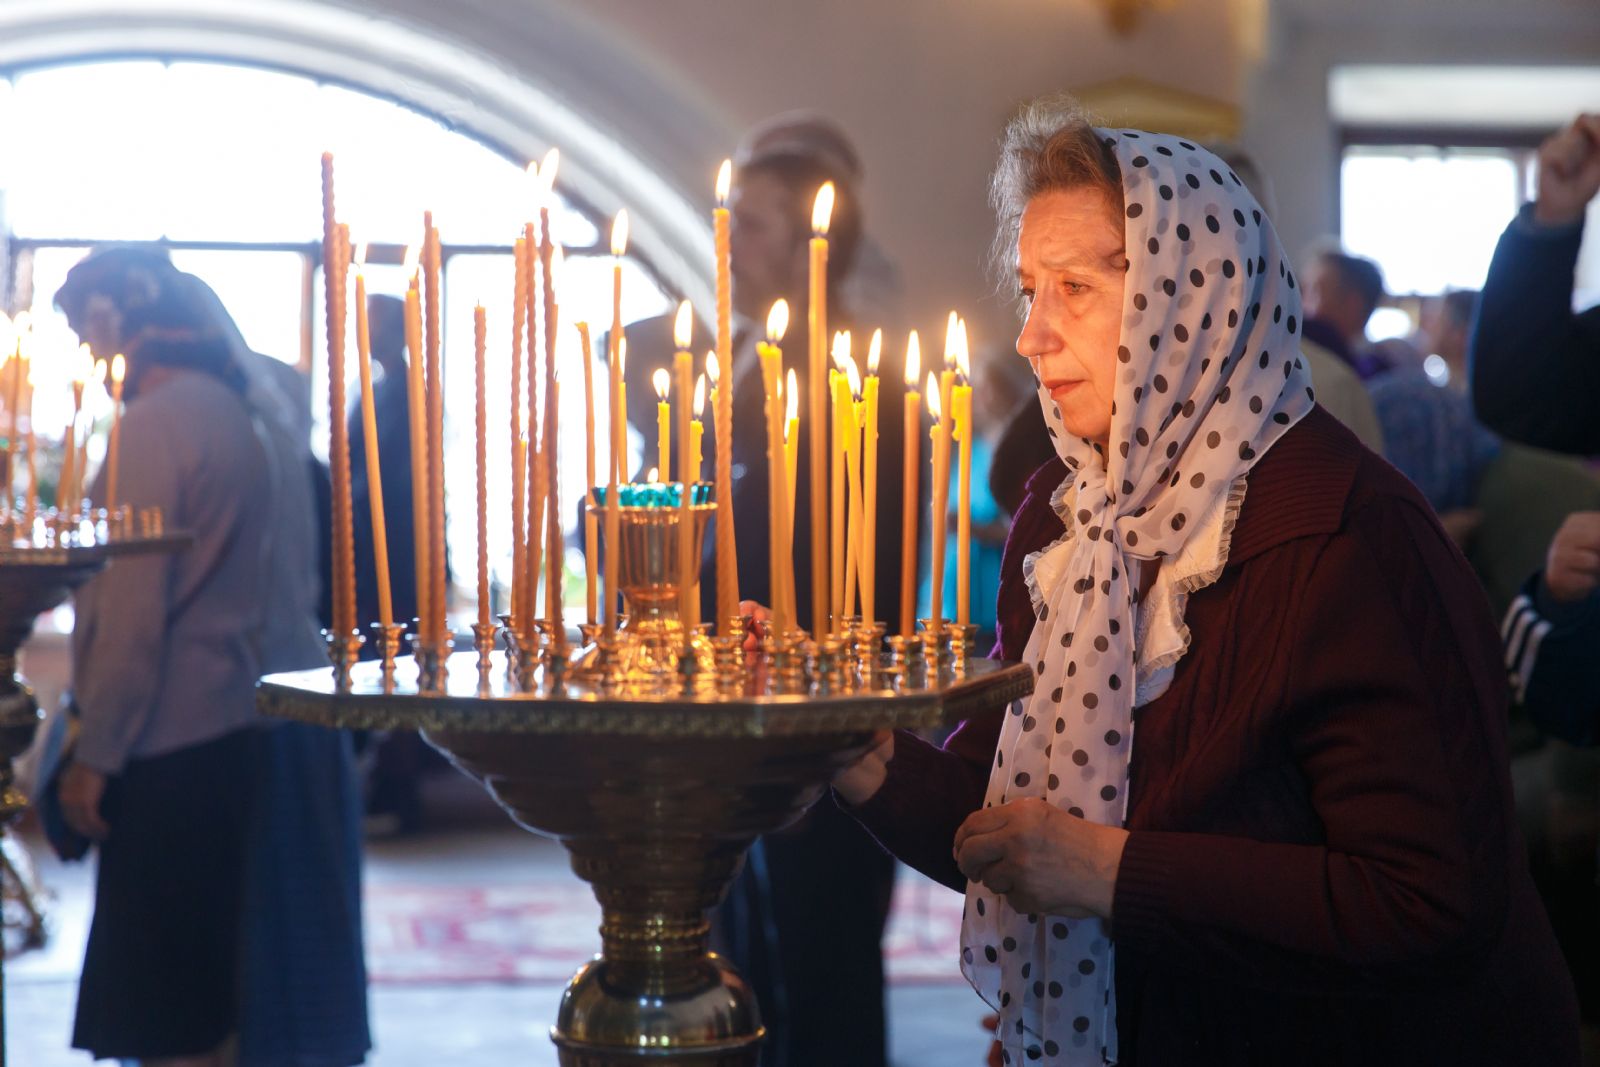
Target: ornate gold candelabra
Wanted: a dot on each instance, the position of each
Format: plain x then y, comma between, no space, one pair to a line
40,566
657,770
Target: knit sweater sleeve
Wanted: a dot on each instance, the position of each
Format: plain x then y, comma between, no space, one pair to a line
1550,654
1536,364
1394,715
929,791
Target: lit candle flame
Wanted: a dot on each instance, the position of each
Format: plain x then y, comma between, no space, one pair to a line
853,373
952,331
558,270
547,175
913,360
84,366
661,380
874,352
841,348
652,474
822,210
963,359
792,398
361,256
622,356
683,326
713,369
619,233
23,323
409,258
700,396
777,321
933,395
724,182
100,370
119,368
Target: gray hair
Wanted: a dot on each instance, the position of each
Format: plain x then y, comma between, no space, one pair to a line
1050,144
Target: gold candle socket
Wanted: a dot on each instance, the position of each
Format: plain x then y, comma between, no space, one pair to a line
483,639
343,651
433,662
935,643
869,649
521,653
387,637
963,640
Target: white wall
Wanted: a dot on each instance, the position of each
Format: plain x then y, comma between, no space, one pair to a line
923,85
1287,126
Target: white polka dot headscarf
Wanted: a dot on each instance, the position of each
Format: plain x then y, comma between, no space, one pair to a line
1210,376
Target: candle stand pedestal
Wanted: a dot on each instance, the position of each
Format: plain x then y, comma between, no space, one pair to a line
657,791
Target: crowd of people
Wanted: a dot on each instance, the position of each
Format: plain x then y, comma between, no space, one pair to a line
1211,508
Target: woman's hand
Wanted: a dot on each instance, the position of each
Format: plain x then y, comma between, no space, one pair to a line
1572,566
755,616
860,781
1042,860
80,790
1569,171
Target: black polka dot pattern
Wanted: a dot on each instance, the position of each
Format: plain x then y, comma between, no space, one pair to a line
1207,379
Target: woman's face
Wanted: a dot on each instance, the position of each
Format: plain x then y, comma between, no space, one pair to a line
1071,267
767,251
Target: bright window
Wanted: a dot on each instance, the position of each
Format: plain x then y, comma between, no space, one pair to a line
221,164
1430,216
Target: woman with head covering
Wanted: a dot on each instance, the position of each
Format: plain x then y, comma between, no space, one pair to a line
1257,808
227,896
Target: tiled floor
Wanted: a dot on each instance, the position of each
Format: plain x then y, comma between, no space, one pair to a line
464,1025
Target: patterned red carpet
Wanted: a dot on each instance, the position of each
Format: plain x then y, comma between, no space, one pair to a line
545,930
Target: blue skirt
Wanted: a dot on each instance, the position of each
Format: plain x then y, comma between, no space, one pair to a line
304,980
160,973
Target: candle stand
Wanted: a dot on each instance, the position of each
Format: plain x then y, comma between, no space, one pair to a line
656,779
37,573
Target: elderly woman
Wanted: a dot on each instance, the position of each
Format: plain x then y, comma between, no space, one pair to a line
1257,808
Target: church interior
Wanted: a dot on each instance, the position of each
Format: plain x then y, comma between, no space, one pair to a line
342,340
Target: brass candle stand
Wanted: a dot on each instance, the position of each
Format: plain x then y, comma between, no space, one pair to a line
657,791
657,754
40,565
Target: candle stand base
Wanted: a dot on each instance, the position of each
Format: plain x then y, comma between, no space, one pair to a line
656,792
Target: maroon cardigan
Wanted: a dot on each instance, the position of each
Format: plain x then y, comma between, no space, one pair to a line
1323,864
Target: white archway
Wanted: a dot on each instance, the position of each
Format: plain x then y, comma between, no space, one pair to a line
460,86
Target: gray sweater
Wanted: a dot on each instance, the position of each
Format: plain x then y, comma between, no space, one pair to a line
166,651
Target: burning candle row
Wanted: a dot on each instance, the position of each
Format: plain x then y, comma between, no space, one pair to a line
844,474
18,380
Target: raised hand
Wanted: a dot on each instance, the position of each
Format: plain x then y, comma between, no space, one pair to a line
1572,566
1569,171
